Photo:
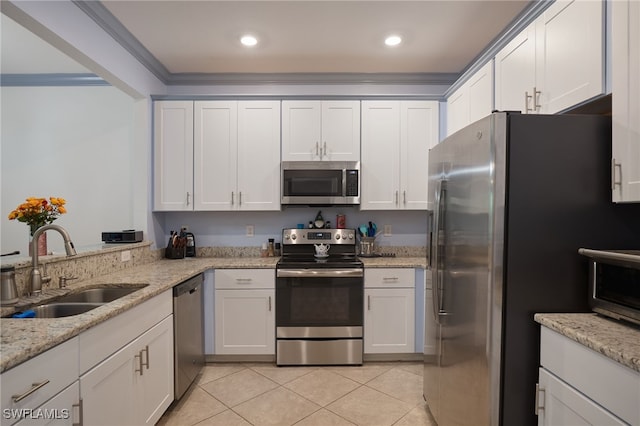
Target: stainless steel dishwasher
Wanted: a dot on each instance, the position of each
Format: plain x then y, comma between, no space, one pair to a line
188,333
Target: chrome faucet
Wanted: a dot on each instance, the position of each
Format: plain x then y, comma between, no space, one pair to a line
36,276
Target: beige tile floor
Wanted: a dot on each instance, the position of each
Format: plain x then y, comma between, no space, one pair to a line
262,394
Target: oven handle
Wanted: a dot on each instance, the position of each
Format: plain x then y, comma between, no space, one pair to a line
320,273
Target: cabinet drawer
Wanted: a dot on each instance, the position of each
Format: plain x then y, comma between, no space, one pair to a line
389,277
99,342
593,374
244,278
54,370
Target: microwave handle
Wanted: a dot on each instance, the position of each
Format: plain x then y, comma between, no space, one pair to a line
632,259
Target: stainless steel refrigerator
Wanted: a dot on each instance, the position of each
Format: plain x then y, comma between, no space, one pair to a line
512,199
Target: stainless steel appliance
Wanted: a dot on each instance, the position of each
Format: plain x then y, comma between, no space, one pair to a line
614,283
513,198
188,333
320,182
319,299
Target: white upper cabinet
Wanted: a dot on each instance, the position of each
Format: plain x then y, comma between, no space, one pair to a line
237,155
626,100
173,156
472,101
321,130
215,154
556,62
396,138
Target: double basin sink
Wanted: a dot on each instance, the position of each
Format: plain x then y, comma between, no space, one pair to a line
81,301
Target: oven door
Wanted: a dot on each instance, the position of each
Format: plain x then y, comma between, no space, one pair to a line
319,303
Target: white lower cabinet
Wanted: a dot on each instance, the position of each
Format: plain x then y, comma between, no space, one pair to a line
389,311
135,380
579,386
126,365
30,387
64,409
244,312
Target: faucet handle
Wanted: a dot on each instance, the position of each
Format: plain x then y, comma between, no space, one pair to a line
63,281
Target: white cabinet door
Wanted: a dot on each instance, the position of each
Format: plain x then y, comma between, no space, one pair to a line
396,138
215,154
562,405
472,101
626,100
259,155
515,72
569,54
320,130
301,127
154,384
245,322
380,155
113,381
418,134
64,409
340,131
137,379
173,155
389,320
556,62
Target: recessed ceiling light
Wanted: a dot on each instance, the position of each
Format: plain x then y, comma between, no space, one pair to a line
249,40
393,40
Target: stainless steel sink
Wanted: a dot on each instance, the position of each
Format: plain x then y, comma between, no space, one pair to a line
98,295
81,301
59,310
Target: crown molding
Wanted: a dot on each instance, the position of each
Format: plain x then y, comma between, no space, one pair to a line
51,80
195,79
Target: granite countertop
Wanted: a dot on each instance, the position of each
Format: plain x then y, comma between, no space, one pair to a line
616,340
22,339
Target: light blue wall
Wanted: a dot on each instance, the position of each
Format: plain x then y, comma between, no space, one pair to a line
409,228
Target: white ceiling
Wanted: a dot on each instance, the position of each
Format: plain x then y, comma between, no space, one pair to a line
297,36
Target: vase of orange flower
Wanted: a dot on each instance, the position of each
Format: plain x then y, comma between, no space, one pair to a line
37,212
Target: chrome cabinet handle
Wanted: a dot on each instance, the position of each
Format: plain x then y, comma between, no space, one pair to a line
539,401
615,183
324,149
243,280
188,198
390,278
139,368
396,197
232,200
240,198
317,151
527,97
404,197
536,98
34,387
368,302
80,413
146,358
269,303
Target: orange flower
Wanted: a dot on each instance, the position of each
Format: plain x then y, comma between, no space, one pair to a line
37,212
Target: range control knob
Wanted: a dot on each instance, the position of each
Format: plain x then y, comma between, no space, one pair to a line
286,236
293,237
338,236
350,236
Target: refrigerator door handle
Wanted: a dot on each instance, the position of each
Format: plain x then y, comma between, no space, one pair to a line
437,273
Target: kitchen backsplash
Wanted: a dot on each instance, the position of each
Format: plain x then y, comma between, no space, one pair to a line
106,260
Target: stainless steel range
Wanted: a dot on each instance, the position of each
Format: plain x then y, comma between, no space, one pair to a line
319,299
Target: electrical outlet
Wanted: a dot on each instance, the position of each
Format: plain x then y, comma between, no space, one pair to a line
250,231
387,231
125,256
184,228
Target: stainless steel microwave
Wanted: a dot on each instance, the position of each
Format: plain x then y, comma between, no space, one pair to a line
320,182
614,283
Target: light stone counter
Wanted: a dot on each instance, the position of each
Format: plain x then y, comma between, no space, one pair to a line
22,339
394,262
616,340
